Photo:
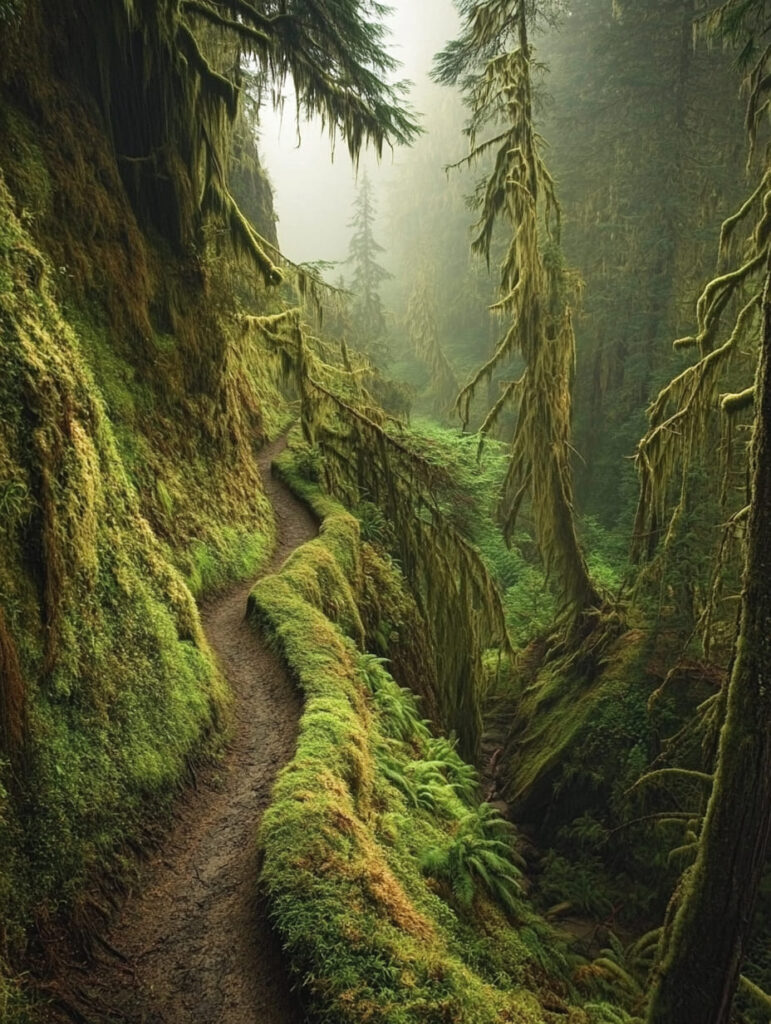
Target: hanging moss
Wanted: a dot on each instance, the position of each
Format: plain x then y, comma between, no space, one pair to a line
162,77
534,286
366,456
707,930
682,418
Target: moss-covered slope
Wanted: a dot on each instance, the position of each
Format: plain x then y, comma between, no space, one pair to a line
131,409
389,880
108,691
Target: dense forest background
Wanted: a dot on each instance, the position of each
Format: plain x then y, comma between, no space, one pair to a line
513,561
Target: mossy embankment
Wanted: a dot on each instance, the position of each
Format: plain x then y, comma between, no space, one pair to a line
394,890
131,412
108,689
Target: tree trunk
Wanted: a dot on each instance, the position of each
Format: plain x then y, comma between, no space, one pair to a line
702,951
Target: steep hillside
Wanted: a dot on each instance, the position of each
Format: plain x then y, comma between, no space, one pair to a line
132,410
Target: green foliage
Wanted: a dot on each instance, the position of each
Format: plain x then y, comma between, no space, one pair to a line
481,851
622,971
605,1013
572,761
11,11
467,496
582,882
15,1006
374,525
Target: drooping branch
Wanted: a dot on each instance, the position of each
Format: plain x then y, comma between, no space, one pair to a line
369,456
493,61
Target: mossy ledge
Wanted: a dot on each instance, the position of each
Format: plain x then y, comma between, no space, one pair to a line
384,917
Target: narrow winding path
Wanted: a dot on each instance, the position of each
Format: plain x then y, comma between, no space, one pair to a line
195,945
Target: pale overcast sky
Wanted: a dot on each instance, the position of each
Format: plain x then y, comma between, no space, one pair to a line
313,193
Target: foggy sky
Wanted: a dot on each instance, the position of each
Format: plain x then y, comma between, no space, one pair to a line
313,194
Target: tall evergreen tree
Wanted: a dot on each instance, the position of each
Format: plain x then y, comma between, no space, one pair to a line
427,224
368,316
493,61
423,331
647,145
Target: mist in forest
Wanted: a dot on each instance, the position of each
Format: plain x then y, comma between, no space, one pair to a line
314,182
385,599
619,108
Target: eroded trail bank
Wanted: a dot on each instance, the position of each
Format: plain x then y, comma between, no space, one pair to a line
195,944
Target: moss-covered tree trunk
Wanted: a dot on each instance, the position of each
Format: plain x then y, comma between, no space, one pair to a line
702,950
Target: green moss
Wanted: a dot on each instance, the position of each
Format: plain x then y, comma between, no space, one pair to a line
574,751
24,156
201,492
558,710
370,793
120,690
123,492
188,399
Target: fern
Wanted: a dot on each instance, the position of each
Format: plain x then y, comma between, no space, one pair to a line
397,706
478,853
462,776
625,970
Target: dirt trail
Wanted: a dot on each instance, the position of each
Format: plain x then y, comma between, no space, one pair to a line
196,941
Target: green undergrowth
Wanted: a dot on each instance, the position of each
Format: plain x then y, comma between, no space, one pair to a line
471,505
576,751
395,891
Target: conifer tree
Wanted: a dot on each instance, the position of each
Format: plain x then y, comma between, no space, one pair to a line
493,61
636,104
369,323
423,330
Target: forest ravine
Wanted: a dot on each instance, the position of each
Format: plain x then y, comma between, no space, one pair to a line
195,944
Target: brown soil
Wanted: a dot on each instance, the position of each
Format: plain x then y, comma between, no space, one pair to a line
195,945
